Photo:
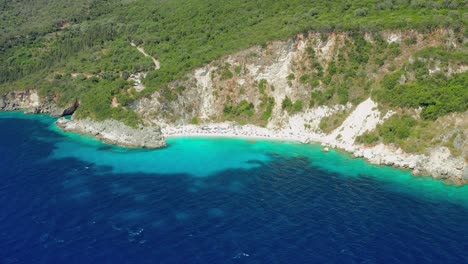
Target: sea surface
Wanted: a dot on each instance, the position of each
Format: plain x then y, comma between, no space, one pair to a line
65,198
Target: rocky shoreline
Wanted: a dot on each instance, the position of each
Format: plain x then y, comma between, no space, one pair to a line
116,132
109,131
439,164
30,102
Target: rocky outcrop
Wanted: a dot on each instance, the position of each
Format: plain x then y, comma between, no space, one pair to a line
116,132
109,131
439,163
30,102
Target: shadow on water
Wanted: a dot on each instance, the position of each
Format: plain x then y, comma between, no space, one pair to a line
282,210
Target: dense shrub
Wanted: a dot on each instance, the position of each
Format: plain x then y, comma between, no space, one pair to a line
262,85
393,130
361,12
244,108
287,103
38,38
437,94
268,105
291,107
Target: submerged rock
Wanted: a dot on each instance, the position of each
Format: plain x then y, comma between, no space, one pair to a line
116,132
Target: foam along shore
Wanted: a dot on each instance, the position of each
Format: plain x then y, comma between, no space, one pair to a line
439,164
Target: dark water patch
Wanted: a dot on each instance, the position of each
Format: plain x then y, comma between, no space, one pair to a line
283,210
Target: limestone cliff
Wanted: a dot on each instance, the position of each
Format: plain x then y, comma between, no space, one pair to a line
316,86
30,102
265,77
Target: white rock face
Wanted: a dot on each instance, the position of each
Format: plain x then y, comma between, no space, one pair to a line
325,53
207,93
310,119
276,75
30,102
393,37
364,118
34,99
137,79
204,83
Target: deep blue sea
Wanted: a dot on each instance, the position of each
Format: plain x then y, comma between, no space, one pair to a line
71,199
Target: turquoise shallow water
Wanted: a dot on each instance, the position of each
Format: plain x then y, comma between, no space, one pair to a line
214,155
212,200
204,157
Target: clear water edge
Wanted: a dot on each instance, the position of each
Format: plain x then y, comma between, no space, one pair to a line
122,160
66,198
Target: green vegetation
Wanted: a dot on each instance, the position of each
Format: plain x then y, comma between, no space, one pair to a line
287,103
455,150
417,135
267,104
243,109
436,94
443,55
291,107
411,41
225,72
346,78
195,121
394,129
320,98
96,101
238,69
45,43
262,85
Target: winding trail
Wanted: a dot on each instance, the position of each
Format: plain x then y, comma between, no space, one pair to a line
157,65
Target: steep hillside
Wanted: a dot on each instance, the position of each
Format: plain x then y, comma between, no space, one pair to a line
81,49
288,77
318,85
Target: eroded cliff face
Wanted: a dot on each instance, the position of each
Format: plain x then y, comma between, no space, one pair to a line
210,88
287,69
30,102
252,86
